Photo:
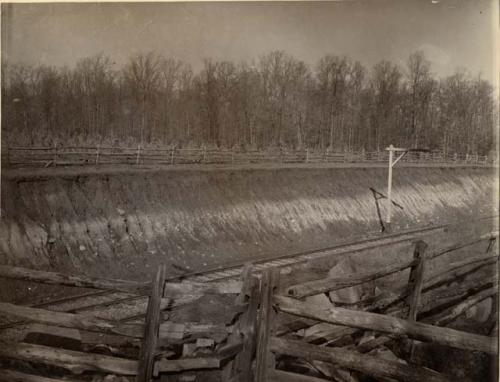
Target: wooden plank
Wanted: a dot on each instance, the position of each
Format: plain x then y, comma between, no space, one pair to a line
74,361
264,360
369,365
417,278
152,322
387,324
17,376
70,320
46,277
335,283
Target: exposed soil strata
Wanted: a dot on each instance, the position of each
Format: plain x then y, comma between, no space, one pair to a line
123,225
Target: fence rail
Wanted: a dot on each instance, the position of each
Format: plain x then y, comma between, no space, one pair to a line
106,155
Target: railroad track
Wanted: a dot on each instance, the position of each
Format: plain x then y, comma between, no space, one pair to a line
126,307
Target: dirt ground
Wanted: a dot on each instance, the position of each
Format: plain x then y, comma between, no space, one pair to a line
123,223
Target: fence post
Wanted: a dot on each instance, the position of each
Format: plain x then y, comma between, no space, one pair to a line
172,155
307,155
264,359
138,154
204,154
97,155
416,281
232,155
416,278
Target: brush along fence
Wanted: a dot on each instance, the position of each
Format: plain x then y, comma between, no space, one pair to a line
107,155
260,326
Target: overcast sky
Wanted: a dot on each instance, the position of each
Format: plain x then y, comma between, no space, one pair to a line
451,33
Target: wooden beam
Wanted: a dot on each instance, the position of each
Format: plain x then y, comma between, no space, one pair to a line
71,320
45,277
74,361
387,324
369,365
263,357
328,284
148,348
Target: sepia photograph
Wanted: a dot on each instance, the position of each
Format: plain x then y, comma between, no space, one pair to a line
249,191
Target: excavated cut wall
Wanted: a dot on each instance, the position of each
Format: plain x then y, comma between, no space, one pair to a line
123,225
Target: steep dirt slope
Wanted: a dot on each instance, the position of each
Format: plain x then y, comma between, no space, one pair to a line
123,225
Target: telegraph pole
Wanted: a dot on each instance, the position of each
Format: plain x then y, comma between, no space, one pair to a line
392,162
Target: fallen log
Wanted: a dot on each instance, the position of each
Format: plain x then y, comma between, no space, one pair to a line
387,324
74,361
54,278
369,365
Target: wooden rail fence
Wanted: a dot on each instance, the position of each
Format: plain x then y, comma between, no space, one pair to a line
106,155
247,329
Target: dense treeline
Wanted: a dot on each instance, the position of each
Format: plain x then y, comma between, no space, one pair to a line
276,101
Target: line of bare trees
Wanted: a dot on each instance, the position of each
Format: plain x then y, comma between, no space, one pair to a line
276,101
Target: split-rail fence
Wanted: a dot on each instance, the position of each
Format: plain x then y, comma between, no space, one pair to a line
247,328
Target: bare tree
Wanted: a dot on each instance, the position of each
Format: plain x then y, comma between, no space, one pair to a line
142,75
385,84
420,88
